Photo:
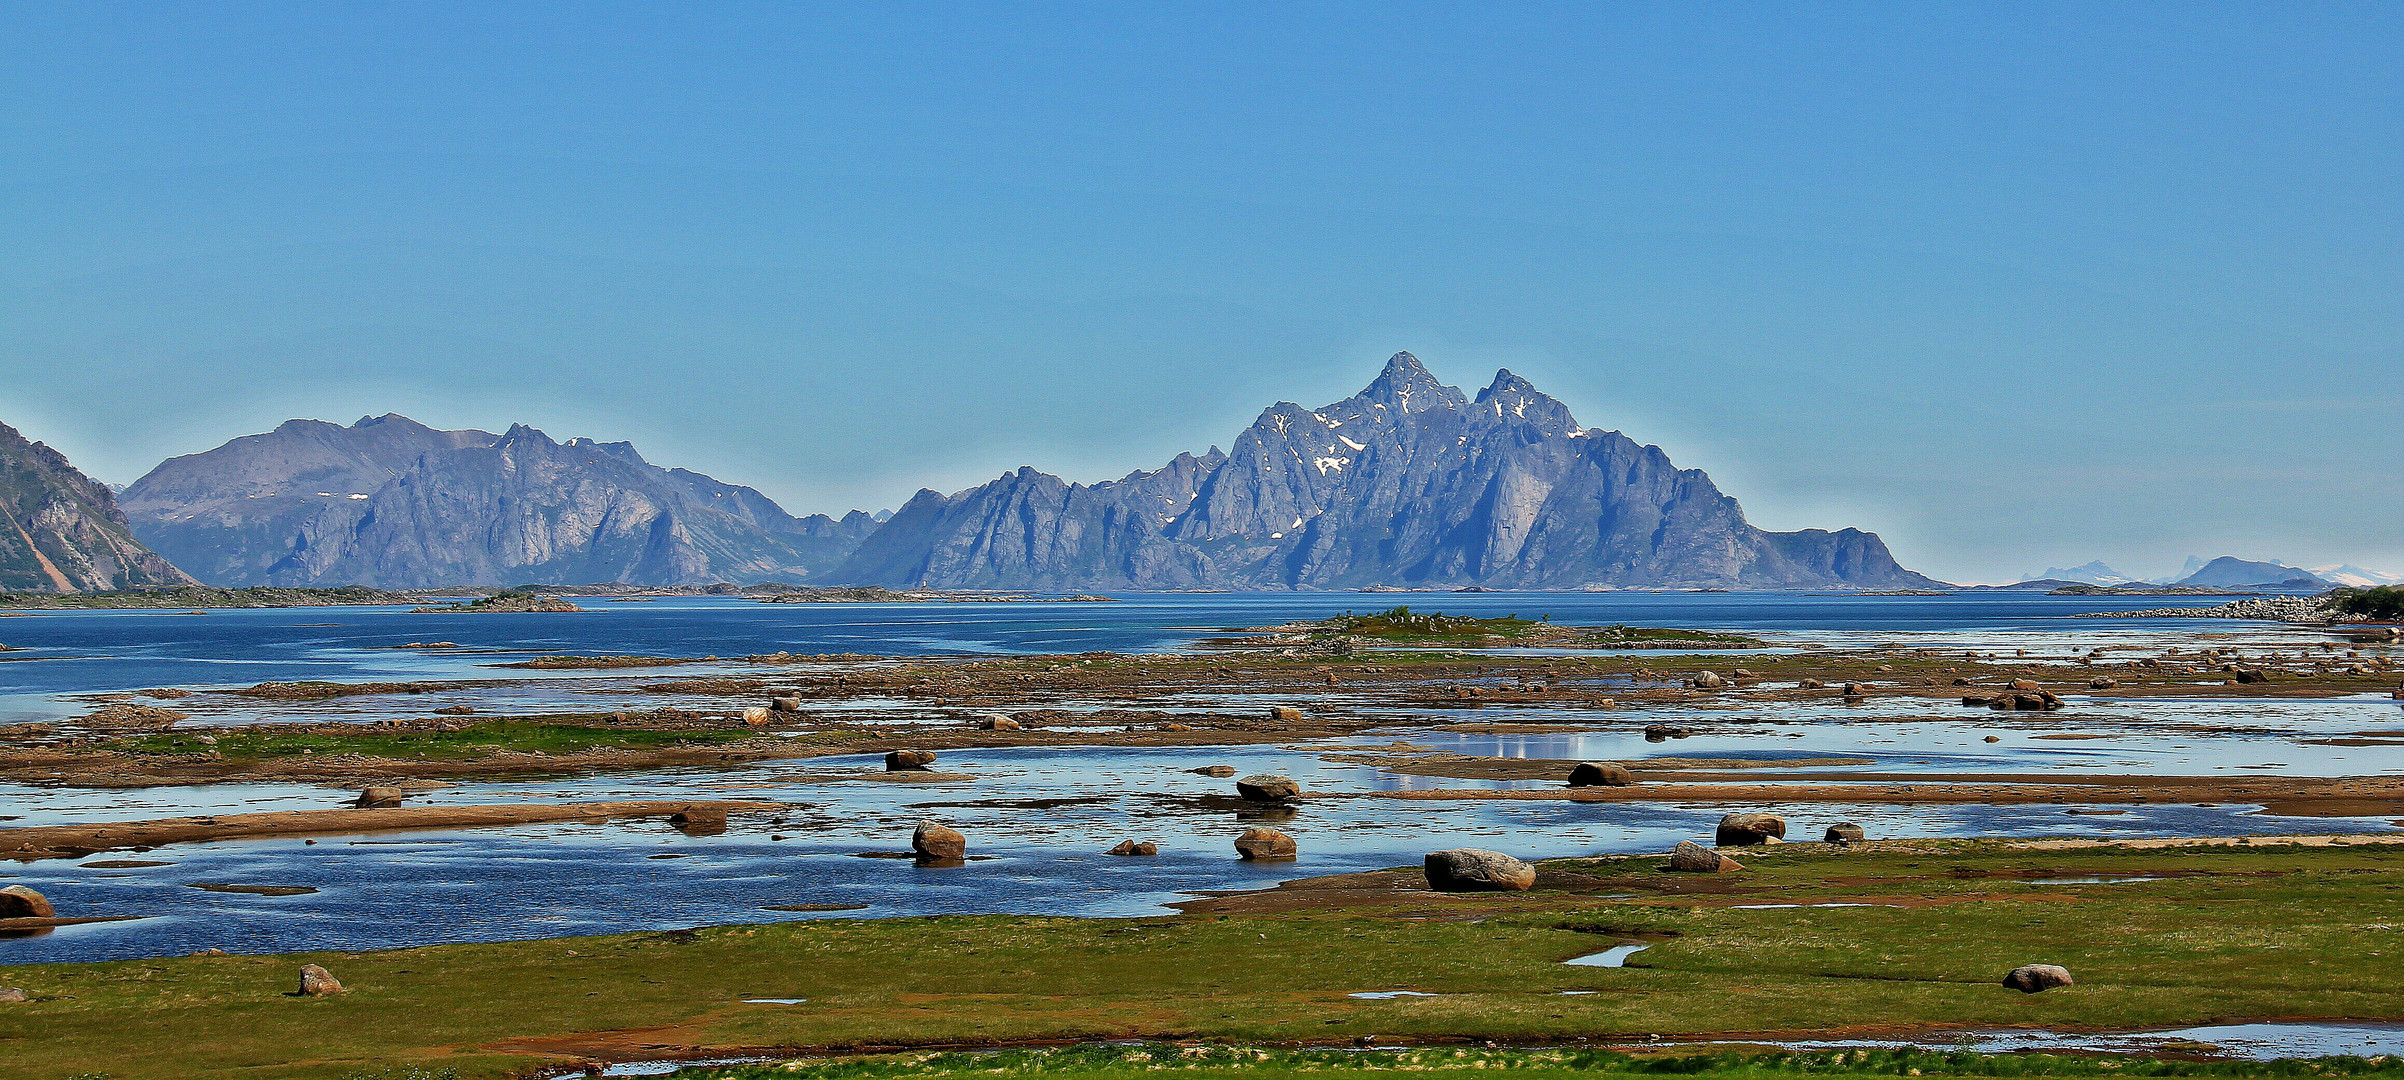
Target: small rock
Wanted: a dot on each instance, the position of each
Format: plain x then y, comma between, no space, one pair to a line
19,902
318,982
457,710
1214,770
1693,858
938,843
2029,685
1600,774
1284,712
1854,690
11,995
2034,978
1268,787
2102,682
1745,830
909,760
699,821
1135,847
1705,680
1844,832
1994,738
997,722
1477,870
785,703
1811,684
380,797
1264,843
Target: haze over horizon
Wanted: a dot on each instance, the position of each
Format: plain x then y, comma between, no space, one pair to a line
2012,288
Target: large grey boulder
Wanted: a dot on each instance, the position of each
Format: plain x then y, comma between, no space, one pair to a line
19,902
1746,830
1600,774
1705,680
1844,832
318,982
1693,858
1268,787
2037,978
1264,843
1477,870
938,843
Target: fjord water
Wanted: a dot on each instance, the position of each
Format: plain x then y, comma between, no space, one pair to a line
85,651
1038,818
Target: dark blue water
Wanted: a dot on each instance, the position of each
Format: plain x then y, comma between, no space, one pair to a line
61,652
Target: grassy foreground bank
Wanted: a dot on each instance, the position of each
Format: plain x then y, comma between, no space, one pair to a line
2201,936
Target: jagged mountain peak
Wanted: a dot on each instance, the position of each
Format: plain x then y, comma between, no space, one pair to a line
62,531
1407,387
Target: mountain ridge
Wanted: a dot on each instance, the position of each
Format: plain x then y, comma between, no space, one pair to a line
1409,482
64,532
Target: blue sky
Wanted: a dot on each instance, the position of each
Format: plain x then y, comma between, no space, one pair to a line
2014,285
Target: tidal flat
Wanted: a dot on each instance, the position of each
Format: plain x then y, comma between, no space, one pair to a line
536,771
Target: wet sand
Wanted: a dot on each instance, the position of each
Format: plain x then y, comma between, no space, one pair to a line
76,841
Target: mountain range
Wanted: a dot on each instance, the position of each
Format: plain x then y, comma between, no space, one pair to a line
391,502
62,531
1409,483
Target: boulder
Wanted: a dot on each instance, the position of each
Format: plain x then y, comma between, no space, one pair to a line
1214,770
997,722
1854,690
1477,870
1600,774
2035,978
1810,684
909,760
938,843
2102,682
1284,712
785,703
1844,832
11,995
2253,676
2029,685
756,716
1693,858
1705,680
1135,847
318,982
19,902
1745,830
699,821
1264,843
380,797
1268,787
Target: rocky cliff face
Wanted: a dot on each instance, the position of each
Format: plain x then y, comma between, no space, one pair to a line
61,531
1407,483
393,503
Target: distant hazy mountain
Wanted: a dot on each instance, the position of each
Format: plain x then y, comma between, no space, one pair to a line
61,531
2228,572
391,502
2349,574
2094,573
1407,483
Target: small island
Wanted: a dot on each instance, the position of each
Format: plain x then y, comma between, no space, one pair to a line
1402,627
508,602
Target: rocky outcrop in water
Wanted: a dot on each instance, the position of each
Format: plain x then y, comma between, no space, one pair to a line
62,531
394,503
1409,482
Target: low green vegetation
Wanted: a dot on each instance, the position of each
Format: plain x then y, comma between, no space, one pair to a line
469,741
1402,626
2201,936
2382,602
202,596
1261,1063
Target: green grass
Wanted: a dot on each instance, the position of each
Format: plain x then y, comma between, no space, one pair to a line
476,740
1403,624
1263,1063
2248,934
